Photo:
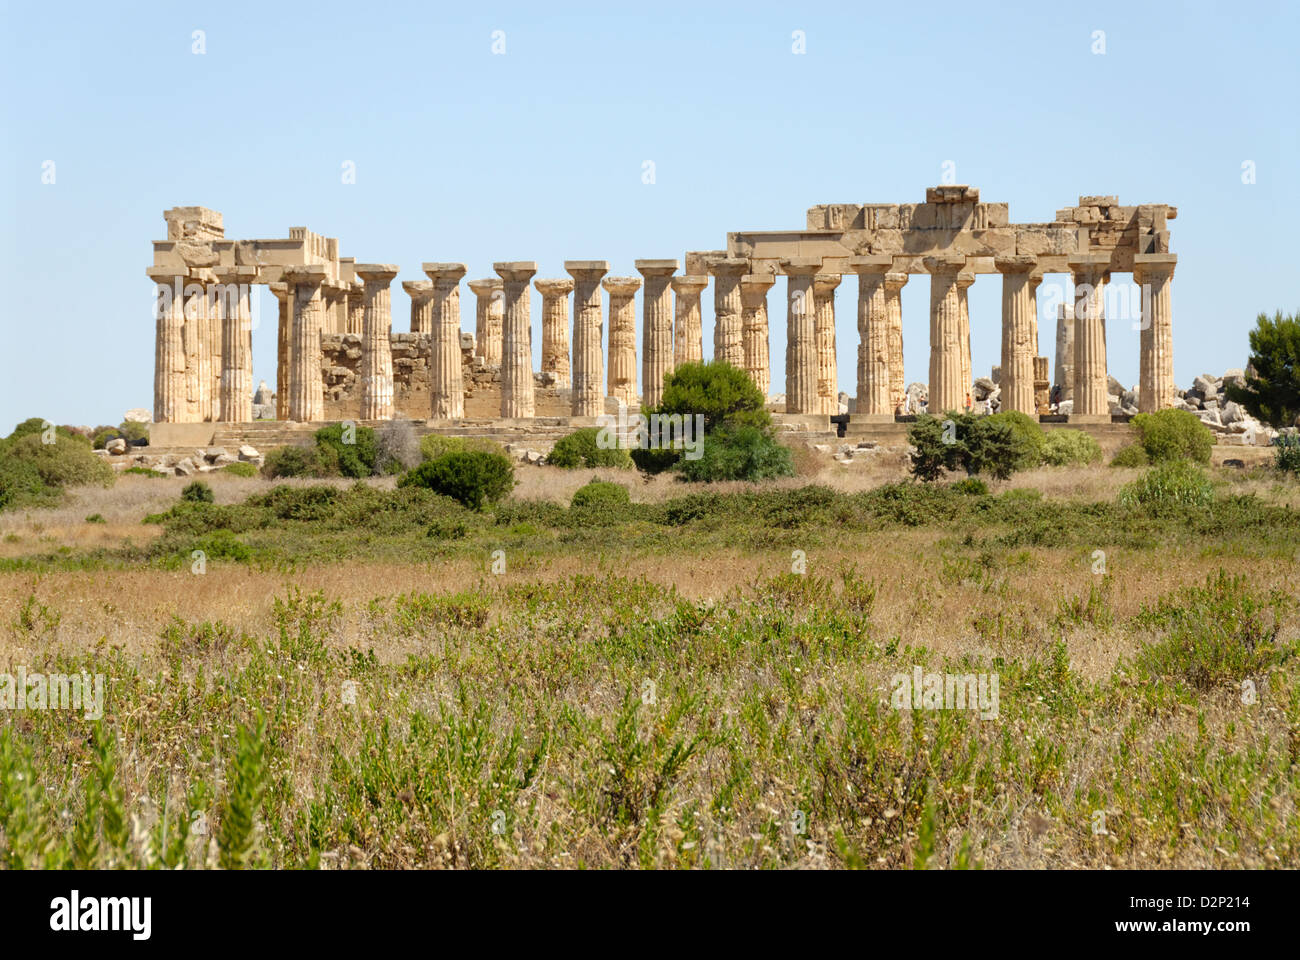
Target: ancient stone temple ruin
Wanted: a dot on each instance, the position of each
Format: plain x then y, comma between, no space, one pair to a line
338,357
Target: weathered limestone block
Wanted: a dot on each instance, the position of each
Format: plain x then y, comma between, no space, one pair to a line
421,294
588,329
376,351
1090,276
688,329
446,389
1019,333
1156,389
169,348
489,311
555,328
754,329
801,335
727,344
946,392
656,327
622,336
236,396
828,390
517,339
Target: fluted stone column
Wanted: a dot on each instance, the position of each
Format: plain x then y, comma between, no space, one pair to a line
193,334
215,305
236,398
894,283
516,339
964,281
656,328
622,336
801,335
1156,389
828,372
446,385
754,329
727,322
588,337
421,294
555,328
946,393
488,313
376,347
1035,281
357,307
688,330
1090,275
169,347
875,398
283,325
1019,333
306,384
1063,376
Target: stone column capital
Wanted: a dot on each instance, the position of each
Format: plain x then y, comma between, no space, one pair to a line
588,270
656,268
516,271
560,287
486,286
688,284
235,274
728,266
621,286
1021,263
965,279
165,275
376,273
1090,266
875,263
895,281
826,282
944,264
757,282
280,290
314,274
1153,266
418,289
801,266
444,272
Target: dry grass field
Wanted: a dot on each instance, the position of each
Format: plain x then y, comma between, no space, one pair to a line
705,678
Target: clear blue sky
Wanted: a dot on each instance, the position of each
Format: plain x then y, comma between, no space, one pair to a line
537,153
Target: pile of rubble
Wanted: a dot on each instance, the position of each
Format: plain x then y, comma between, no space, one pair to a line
179,464
1207,399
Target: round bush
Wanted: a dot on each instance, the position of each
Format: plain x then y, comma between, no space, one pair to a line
65,463
971,486
1175,484
1173,435
1067,447
738,453
21,484
197,492
473,478
600,493
1131,456
340,458
719,391
582,449
1026,428
292,462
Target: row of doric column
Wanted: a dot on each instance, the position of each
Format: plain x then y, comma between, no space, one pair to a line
203,368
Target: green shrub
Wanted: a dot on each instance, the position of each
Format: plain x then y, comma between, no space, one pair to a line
1027,428
474,478
39,425
582,449
1130,456
1270,391
738,453
1286,452
717,390
293,461
67,462
21,485
1174,484
341,458
1068,447
971,486
997,445
1173,435
240,469
197,492
146,472
600,493
96,518
433,446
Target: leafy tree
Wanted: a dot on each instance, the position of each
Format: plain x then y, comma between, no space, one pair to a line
738,453
1271,391
719,391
